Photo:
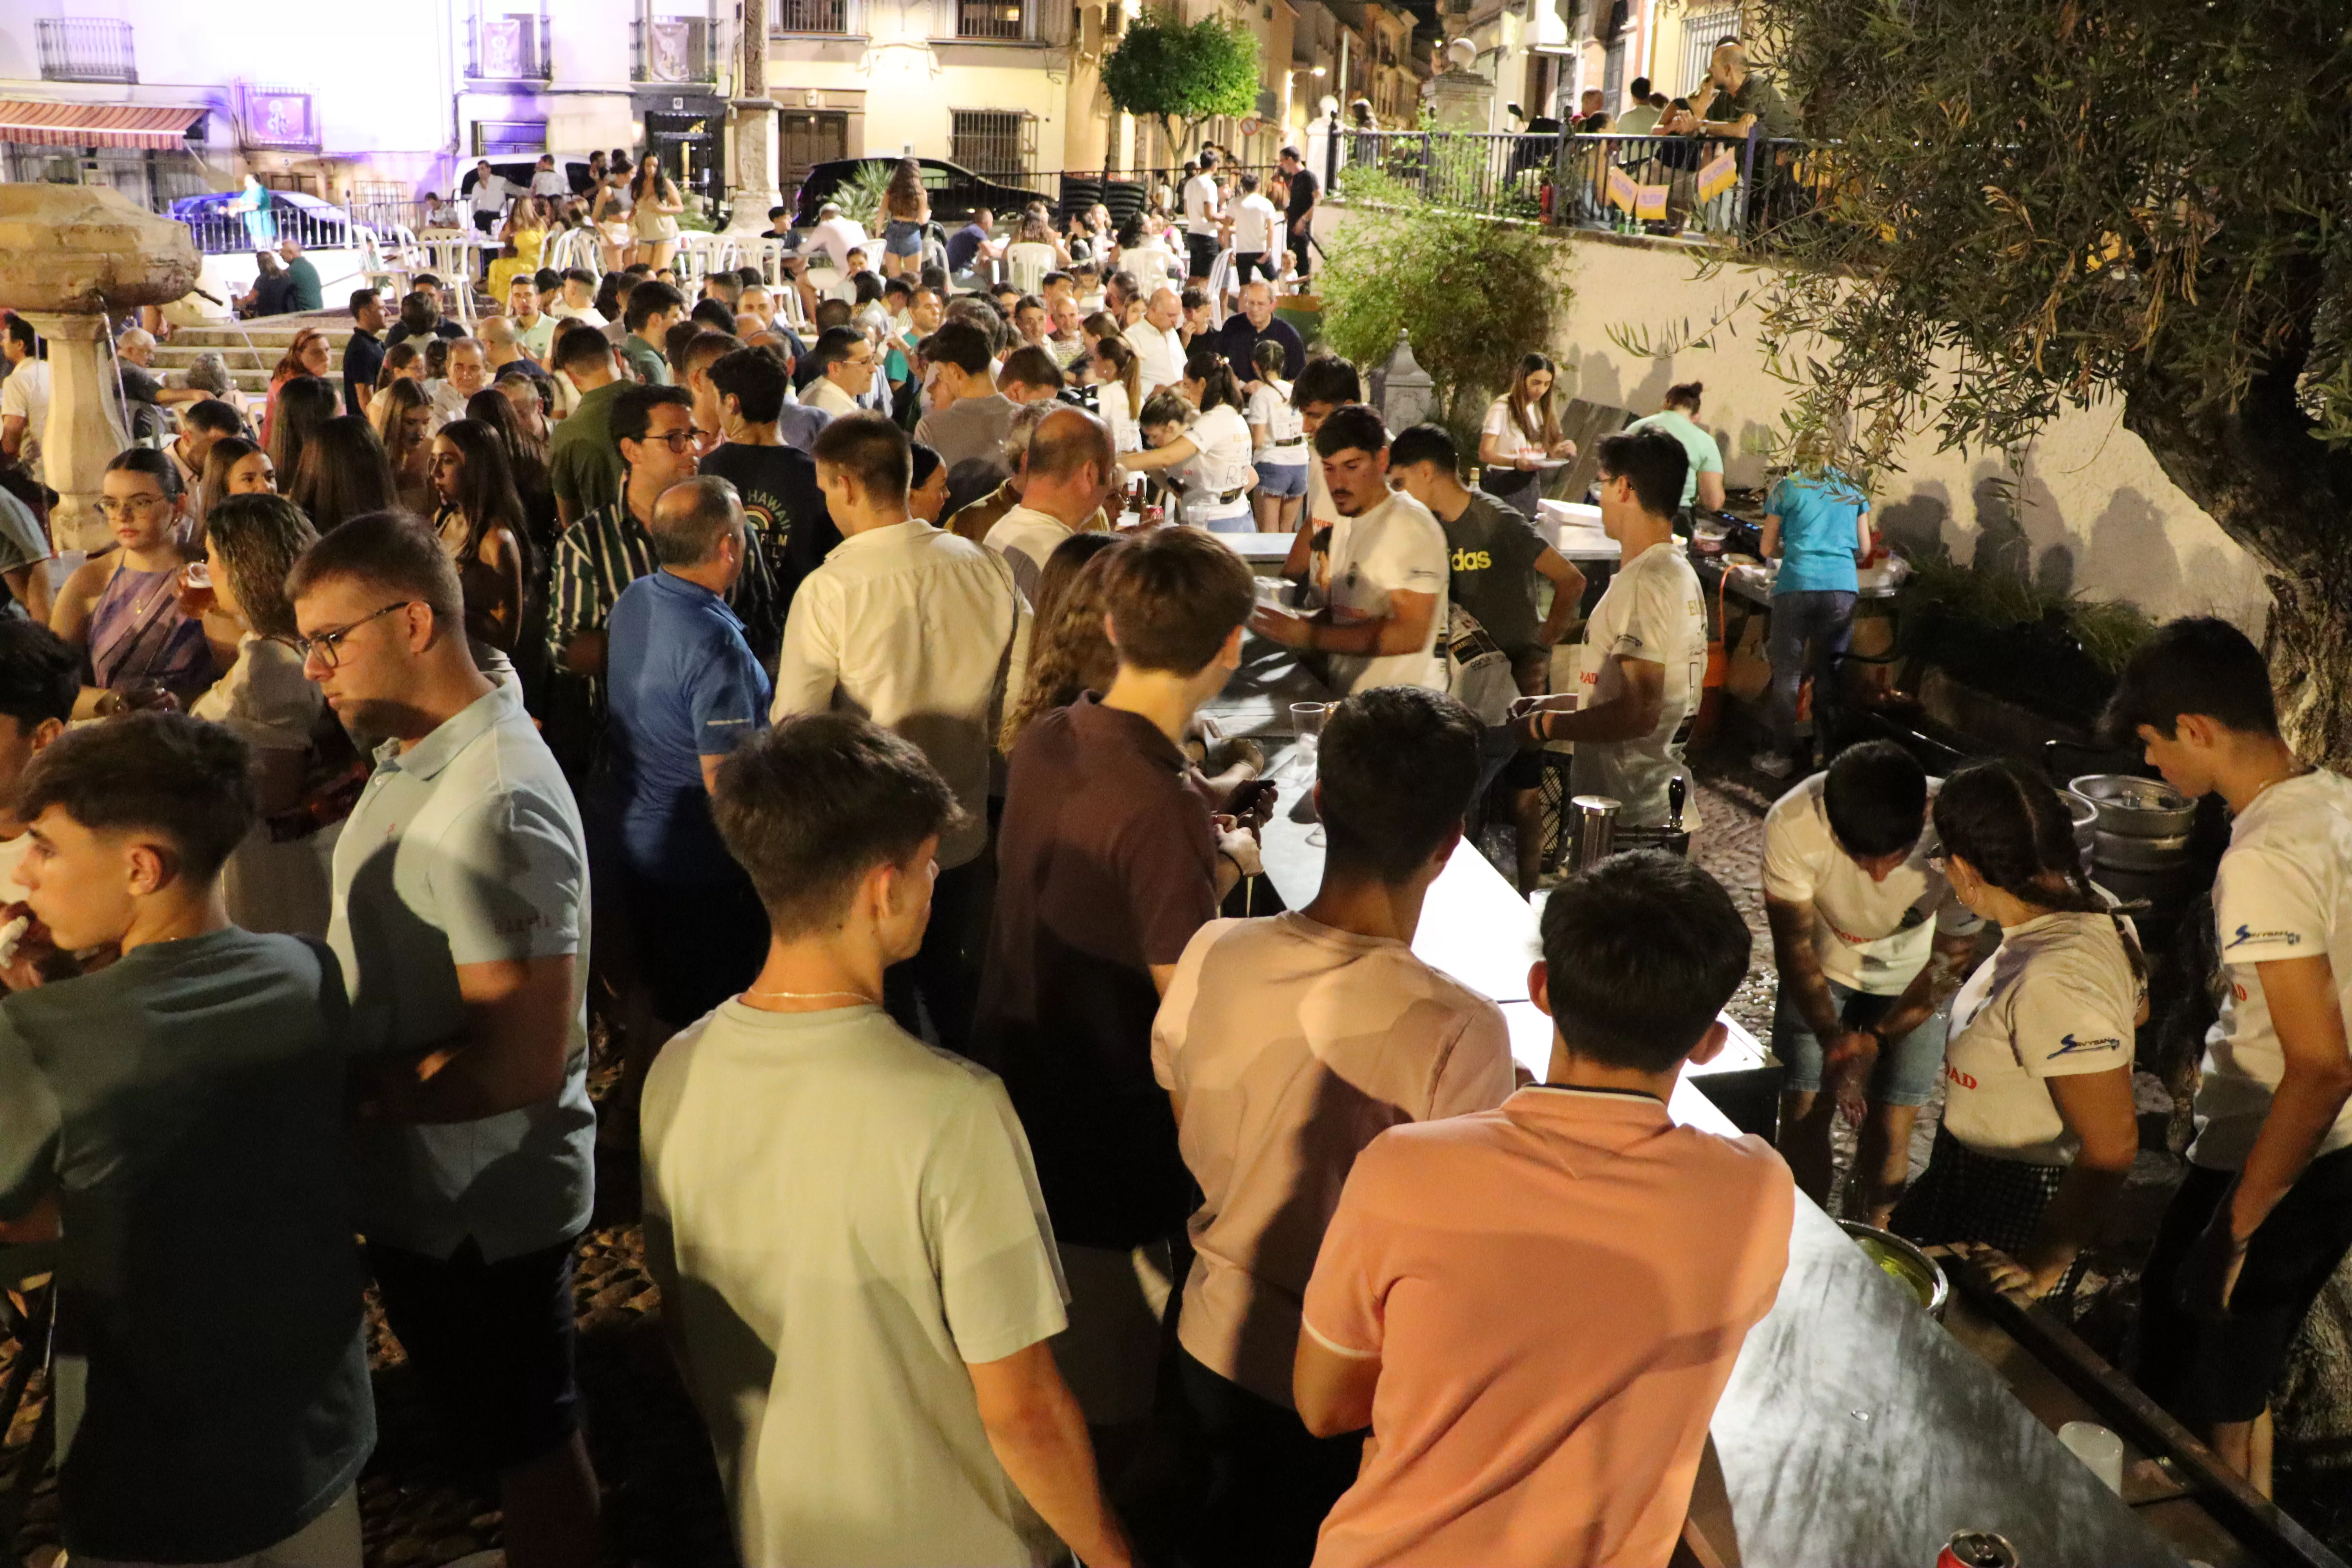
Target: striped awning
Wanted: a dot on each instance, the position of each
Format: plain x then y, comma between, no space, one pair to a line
97,124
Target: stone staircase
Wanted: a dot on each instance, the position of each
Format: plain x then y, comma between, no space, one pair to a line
252,349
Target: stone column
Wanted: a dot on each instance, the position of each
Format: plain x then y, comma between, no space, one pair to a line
755,128
85,429
70,255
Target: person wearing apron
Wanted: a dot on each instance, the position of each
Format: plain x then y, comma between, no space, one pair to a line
1521,434
1205,455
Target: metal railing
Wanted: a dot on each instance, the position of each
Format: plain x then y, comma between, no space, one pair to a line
1043,22
85,48
228,234
1705,186
817,18
513,47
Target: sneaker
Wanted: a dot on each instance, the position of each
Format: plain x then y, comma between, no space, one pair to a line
1771,764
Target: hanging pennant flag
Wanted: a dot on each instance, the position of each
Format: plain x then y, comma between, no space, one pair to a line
1717,174
1650,203
1621,190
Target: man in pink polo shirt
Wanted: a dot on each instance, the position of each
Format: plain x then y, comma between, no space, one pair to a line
1535,1307
1286,1044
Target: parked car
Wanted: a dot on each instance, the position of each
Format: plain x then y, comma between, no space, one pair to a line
956,191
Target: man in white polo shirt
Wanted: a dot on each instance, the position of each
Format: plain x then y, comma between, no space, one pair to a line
460,920
1644,659
1159,351
1390,571
1064,477
1856,906
927,635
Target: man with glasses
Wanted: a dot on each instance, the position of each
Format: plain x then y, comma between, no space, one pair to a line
844,358
461,923
611,547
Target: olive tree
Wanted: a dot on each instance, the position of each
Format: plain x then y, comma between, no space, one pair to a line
2016,206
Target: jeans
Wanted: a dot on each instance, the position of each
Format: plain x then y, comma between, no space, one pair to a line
1822,622
1907,1070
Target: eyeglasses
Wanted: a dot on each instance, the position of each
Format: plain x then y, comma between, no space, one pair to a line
679,441
327,647
136,505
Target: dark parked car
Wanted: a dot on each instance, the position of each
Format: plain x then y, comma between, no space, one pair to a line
956,191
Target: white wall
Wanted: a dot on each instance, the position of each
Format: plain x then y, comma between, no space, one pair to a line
2092,510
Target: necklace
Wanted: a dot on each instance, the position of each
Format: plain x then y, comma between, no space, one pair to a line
811,996
2296,771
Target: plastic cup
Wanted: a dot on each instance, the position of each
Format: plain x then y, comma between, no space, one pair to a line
2098,1447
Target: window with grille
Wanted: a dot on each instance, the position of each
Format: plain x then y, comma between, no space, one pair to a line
1005,21
995,143
1701,33
818,17
673,48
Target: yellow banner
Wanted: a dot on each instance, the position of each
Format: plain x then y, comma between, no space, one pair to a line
1717,174
1623,192
1650,202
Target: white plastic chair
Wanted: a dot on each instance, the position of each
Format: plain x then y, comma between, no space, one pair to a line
1027,264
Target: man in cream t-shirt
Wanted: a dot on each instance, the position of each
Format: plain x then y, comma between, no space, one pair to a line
1389,570
1856,906
1643,658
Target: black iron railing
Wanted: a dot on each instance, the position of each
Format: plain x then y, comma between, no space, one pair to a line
819,18
1702,186
672,49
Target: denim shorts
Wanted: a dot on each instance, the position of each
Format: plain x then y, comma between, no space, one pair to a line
1280,482
903,237
1906,1069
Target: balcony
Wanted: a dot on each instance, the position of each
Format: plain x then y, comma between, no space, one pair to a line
816,18
85,48
672,50
508,49
277,120
1036,23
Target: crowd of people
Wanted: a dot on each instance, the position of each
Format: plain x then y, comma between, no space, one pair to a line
821,714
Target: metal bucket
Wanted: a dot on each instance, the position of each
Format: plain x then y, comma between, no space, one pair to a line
2085,817
2135,808
1905,1263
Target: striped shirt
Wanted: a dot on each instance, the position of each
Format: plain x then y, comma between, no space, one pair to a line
609,549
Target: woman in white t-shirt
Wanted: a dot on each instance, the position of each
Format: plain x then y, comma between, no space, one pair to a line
2038,1131
1118,378
1201,440
1522,435
1279,443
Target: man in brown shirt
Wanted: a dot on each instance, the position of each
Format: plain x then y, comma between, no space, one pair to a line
1107,863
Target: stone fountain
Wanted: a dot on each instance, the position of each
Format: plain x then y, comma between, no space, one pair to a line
70,255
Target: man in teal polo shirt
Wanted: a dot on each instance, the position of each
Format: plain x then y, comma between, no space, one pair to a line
461,919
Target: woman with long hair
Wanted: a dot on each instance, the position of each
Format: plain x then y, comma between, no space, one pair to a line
401,362
344,473
1209,383
121,609
2039,1129
1522,438
656,205
523,237
272,289
1068,650
1703,485
403,421
1118,390
304,402
613,212
1206,454
277,879
235,466
311,353
906,208
481,525
526,449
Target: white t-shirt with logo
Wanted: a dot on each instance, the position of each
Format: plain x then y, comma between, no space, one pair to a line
1286,439
1652,611
2056,998
1396,545
1870,936
2284,890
